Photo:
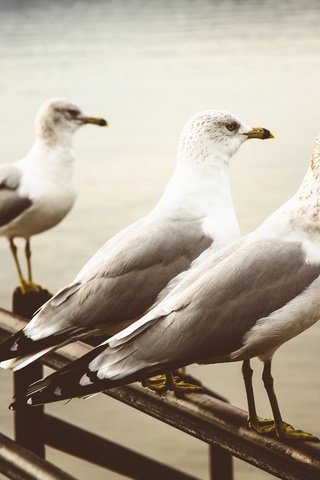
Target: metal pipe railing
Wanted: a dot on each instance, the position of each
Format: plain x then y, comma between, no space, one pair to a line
205,417
19,463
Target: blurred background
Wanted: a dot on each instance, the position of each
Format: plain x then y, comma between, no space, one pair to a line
147,66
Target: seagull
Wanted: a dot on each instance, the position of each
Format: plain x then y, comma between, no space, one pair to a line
242,302
121,281
38,191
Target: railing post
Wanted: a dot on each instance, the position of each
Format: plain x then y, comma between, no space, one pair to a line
29,422
220,463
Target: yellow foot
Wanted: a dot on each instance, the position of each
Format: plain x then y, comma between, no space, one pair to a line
289,433
265,425
27,287
162,383
262,425
157,384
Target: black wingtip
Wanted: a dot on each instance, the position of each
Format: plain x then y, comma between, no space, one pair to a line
19,345
20,402
65,383
12,346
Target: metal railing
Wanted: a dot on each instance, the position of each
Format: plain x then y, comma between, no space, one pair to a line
205,416
19,463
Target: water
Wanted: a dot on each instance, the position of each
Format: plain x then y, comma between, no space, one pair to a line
147,66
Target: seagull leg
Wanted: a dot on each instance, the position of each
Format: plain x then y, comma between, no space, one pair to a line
14,251
28,257
32,287
283,430
171,381
260,425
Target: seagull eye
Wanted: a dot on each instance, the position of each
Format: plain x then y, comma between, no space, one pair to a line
73,112
231,126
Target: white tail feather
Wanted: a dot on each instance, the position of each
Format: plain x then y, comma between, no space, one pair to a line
6,364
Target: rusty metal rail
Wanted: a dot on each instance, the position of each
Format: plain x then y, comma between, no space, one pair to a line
205,417
18,463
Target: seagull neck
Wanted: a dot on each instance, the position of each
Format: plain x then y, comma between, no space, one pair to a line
307,198
57,159
309,191
300,212
303,209
199,188
65,148
51,138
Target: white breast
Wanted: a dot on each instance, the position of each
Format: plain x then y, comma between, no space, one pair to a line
47,180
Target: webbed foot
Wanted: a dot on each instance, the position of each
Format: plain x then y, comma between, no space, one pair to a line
288,432
172,381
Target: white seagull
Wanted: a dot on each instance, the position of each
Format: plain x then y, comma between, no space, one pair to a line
38,191
242,302
194,216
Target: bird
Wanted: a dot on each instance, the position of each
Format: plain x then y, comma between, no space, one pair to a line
121,281
243,301
37,191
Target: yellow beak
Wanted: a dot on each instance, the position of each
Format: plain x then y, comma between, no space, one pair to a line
95,120
261,133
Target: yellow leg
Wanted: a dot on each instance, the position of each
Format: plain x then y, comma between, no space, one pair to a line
32,287
260,425
28,257
171,381
14,251
283,430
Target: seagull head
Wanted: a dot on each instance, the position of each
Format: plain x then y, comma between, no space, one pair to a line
58,119
216,134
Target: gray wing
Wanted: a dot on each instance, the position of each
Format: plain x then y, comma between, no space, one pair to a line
146,244
199,266
11,203
212,317
127,279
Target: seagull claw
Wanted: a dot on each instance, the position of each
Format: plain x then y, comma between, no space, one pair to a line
171,381
264,425
289,433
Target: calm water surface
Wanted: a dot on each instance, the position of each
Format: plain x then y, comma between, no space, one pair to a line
147,66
